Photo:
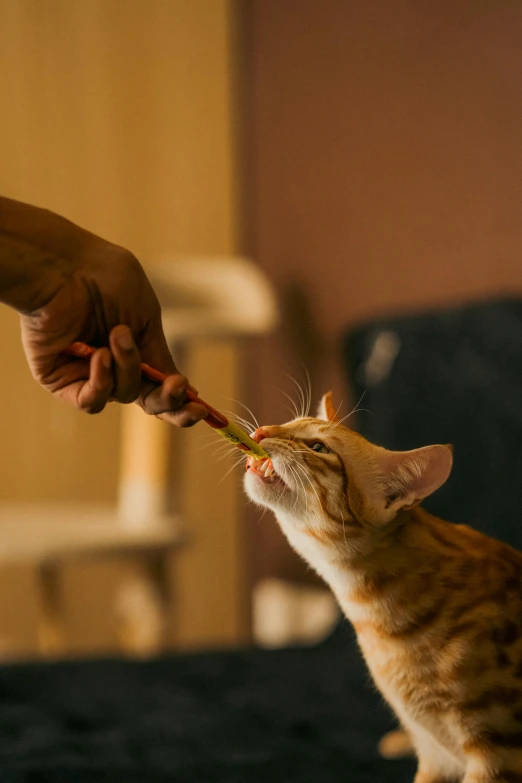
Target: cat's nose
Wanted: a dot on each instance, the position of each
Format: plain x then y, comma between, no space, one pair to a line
259,435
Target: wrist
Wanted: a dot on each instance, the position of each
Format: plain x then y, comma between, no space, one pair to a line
38,252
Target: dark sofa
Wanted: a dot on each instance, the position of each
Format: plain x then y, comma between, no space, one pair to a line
305,715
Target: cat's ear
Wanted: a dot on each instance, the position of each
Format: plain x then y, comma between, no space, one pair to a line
326,410
410,476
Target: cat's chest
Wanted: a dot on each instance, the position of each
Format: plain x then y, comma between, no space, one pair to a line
406,674
411,684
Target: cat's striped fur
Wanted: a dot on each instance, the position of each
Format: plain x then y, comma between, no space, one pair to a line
437,607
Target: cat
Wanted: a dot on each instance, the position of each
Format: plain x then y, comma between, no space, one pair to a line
437,607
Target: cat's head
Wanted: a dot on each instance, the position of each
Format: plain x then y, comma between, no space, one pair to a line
323,476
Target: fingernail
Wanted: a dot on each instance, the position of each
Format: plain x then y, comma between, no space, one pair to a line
106,360
124,338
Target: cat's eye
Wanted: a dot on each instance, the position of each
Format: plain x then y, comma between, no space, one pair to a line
320,448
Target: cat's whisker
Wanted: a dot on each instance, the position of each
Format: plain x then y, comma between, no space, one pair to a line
218,447
234,467
301,395
294,410
361,410
226,450
338,409
265,509
307,476
356,409
245,423
291,411
298,478
245,407
285,480
236,460
308,389
297,496
302,399
284,475
361,398
233,453
312,487
235,415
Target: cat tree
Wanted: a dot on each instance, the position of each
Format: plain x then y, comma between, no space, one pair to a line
214,298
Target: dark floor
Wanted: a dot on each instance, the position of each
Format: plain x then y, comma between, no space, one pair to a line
243,717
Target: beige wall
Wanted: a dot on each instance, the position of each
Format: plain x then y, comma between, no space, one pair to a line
120,114
387,163
117,114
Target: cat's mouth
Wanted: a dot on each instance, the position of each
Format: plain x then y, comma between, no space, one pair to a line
264,469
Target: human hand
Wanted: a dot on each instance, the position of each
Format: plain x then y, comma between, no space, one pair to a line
106,301
69,285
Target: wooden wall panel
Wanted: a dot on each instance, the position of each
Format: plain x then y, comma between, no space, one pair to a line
120,115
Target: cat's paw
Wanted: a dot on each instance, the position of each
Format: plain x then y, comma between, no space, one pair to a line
396,745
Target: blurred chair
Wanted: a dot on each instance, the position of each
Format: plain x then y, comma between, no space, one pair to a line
217,299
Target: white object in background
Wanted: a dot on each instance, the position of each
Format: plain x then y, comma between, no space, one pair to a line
213,297
285,613
385,349
140,616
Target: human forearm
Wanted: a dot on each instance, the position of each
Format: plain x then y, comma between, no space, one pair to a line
38,252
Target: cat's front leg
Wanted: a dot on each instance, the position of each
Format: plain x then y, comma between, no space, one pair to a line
430,772
430,776
436,765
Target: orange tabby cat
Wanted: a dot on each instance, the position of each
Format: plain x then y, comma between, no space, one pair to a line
437,607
